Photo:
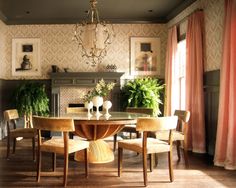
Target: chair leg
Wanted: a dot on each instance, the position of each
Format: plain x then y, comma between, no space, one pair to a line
156,159
39,158
14,145
86,162
114,144
8,146
120,157
178,149
170,166
145,169
186,154
54,162
33,148
151,156
65,169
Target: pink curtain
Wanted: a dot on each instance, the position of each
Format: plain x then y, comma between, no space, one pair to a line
225,151
170,59
194,82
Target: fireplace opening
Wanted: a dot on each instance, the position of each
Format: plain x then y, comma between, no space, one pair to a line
76,105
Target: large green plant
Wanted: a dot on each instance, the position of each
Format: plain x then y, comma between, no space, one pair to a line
31,98
143,92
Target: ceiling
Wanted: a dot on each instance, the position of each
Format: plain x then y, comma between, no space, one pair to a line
73,11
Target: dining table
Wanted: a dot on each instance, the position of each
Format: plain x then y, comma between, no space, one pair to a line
95,128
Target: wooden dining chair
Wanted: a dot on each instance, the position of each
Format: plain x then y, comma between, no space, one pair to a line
74,110
14,131
132,128
180,134
147,145
63,145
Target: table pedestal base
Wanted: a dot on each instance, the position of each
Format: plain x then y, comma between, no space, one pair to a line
98,152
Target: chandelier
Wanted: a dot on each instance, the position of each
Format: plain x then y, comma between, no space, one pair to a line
93,35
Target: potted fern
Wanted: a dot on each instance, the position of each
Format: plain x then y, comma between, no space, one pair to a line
31,99
143,92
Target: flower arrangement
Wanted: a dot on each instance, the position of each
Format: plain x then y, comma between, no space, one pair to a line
102,89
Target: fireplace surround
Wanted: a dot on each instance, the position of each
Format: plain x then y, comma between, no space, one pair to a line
71,81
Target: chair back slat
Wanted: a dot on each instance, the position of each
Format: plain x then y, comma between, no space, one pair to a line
11,114
142,110
156,124
183,115
53,124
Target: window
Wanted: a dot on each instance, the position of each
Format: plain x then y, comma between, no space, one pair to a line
180,76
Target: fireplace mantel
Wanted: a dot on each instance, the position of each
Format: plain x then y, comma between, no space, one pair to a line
83,79
86,80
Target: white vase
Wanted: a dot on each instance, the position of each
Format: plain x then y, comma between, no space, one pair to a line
97,102
107,105
89,106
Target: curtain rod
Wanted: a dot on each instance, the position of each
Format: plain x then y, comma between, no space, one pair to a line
186,17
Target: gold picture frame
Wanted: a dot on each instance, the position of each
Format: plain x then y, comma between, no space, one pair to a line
26,57
145,55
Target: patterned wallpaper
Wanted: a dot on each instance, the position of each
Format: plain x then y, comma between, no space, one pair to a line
3,29
58,49
214,19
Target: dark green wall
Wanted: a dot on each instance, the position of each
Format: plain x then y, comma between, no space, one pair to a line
211,96
7,88
1,81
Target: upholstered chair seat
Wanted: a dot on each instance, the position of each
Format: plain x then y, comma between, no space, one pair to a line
137,145
56,145
23,132
176,135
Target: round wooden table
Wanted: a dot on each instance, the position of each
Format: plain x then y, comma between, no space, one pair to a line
96,128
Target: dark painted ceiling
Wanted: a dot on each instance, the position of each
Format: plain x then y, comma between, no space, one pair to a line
73,11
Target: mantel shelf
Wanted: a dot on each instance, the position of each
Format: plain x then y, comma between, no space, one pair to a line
83,79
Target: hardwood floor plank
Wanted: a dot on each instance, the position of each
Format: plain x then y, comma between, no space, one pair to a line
20,171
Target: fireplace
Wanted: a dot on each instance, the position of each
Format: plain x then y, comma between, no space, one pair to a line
69,88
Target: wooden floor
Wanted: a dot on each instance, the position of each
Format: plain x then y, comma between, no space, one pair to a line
19,171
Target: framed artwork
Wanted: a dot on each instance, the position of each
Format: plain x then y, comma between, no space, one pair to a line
145,55
26,57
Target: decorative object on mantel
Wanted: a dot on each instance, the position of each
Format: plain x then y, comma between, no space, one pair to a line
111,67
55,68
93,35
96,95
66,70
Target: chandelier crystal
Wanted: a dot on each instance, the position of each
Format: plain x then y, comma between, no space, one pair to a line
93,35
